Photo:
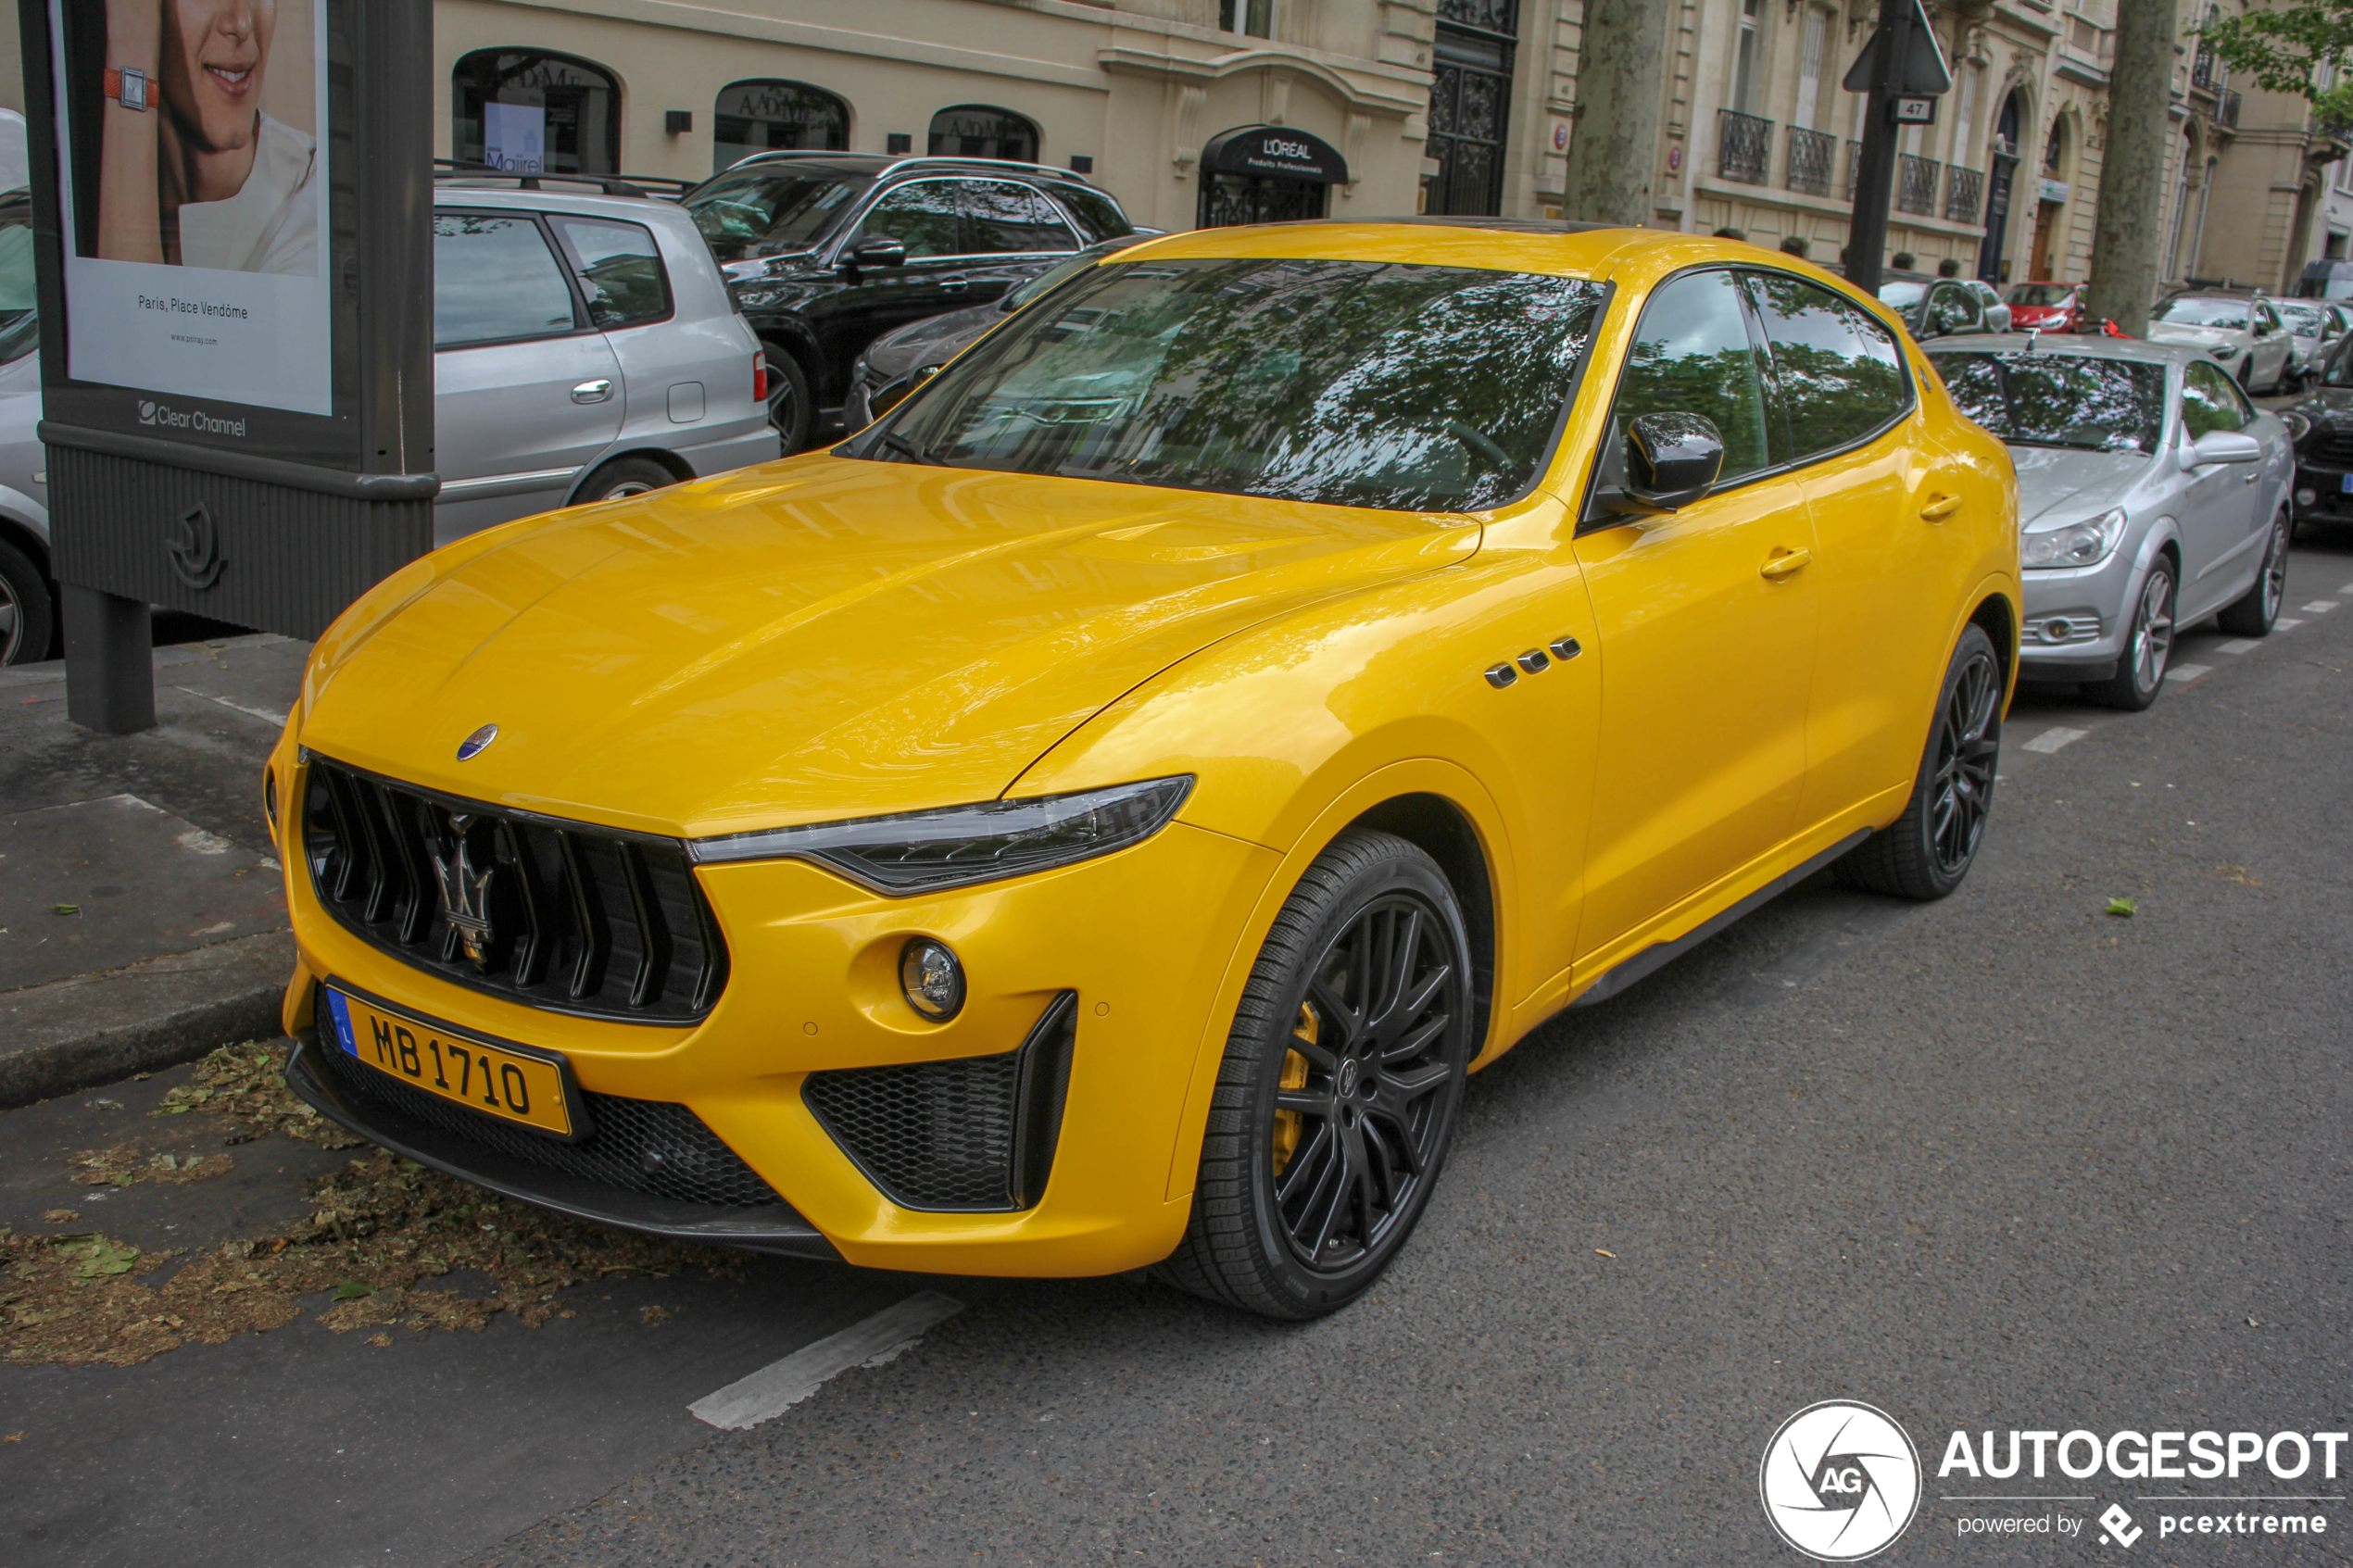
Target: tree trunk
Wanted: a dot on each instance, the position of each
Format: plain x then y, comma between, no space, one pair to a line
1616,143
2133,171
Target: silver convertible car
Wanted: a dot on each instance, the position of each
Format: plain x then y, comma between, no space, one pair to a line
2151,494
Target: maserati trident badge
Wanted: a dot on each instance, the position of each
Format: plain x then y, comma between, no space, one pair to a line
476,743
465,891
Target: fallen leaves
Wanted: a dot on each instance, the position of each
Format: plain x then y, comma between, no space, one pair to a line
246,1082
2123,908
126,1163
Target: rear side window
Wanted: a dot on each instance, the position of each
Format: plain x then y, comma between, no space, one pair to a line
1005,216
1692,355
494,279
1840,374
1097,214
620,269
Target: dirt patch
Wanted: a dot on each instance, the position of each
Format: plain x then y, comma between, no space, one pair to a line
379,1230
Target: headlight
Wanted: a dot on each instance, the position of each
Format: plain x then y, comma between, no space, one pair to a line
2074,543
743,271
958,846
2298,426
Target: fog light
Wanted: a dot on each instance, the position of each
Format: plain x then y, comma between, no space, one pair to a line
932,978
2056,630
2306,498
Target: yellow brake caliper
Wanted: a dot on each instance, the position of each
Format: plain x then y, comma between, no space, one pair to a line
1289,1124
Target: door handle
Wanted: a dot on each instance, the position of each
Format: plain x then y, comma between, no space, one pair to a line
1785,563
592,391
1940,509
2252,475
956,285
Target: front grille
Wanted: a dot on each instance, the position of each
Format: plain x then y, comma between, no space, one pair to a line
2333,447
975,1132
582,920
644,1145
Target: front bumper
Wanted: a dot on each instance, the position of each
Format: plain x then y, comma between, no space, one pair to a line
2076,620
1140,943
2323,480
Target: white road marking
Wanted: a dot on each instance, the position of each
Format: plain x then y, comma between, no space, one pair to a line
2057,736
750,1401
2238,645
2347,590
267,716
2185,673
2320,606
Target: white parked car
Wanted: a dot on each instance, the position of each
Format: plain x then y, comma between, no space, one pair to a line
2315,327
2244,335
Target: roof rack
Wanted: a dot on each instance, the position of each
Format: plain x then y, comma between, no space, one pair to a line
778,155
664,186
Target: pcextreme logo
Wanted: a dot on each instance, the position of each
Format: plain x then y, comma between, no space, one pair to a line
1841,1481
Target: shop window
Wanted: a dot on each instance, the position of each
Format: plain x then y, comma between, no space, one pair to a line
535,113
982,131
760,117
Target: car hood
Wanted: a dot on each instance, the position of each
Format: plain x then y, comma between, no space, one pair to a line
932,341
816,639
2331,406
2202,337
2057,484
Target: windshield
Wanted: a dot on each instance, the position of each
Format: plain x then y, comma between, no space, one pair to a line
762,211
20,317
2340,371
1363,383
2041,297
2303,320
2072,400
2228,314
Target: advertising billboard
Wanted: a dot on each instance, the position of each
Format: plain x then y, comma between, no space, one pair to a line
193,197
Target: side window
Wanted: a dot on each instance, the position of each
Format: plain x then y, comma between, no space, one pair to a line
1692,355
922,216
1840,373
495,279
620,269
1097,214
2210,401
1005,218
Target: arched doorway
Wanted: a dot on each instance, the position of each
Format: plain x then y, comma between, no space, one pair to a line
1998,182
983,131
1267,174
765,116
535,112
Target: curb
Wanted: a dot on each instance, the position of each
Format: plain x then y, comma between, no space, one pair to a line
94,1029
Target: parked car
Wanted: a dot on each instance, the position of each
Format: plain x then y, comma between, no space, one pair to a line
1094,818
2244,335
585,350
1997,310
893,363
2048,307
2314,328
828,251
2323,426
1935,306
2152,495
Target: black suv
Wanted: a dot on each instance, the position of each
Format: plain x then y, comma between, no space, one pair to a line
827,251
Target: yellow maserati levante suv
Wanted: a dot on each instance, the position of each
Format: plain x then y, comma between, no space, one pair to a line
1097,816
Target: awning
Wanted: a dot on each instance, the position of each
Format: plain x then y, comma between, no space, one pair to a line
1275,150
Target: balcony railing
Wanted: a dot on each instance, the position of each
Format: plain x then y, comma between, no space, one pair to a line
1916,184
1854,167
1812,155
1964,195
2203,74
1743,147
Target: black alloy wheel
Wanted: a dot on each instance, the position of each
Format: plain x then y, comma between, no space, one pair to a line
2148,645
26,622
790,412
1340,1088
2256,611
1926,852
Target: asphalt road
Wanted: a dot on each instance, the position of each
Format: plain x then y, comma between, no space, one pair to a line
2006,1162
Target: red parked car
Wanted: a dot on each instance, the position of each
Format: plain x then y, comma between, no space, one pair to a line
2046,308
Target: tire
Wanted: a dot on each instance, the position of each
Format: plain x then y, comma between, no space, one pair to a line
1926,852
2148,645
622,478
1338,1096
2253,612
28,611
790,412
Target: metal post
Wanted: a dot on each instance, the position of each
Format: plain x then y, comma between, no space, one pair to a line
111,677
1874,173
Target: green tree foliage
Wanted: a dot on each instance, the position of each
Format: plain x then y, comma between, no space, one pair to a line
2284,48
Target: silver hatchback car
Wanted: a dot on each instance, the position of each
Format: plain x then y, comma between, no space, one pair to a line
2151,494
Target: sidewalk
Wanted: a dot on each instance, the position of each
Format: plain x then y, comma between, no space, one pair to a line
142,914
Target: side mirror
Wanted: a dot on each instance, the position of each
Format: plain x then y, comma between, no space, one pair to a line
876,250
1671,460
2225,446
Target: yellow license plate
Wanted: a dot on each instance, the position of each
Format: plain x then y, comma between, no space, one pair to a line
495,1080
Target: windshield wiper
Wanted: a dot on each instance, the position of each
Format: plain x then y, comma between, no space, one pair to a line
912,449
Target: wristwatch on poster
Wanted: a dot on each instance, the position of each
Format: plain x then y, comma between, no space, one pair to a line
128,87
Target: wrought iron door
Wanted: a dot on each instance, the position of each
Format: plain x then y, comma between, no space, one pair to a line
1470,104
1230,199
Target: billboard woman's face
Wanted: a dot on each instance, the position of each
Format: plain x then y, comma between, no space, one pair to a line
214,55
